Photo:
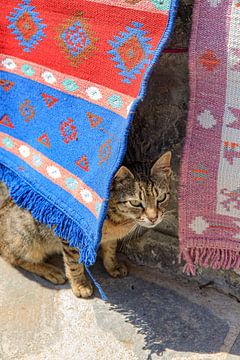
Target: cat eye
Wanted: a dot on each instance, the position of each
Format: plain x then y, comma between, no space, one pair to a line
162,198
135,203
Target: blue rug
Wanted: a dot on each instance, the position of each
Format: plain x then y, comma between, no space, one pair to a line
71,79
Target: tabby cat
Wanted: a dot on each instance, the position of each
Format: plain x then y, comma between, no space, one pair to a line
139,199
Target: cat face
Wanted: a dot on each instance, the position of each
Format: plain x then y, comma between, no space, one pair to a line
143,198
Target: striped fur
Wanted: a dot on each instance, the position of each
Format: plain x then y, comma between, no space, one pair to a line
136,199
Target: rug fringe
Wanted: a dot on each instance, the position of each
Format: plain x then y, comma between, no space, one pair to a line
24,196
216,259
45,212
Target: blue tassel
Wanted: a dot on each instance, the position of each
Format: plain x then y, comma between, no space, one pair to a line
98,286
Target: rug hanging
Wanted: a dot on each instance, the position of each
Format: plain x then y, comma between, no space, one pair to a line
72,73
210,172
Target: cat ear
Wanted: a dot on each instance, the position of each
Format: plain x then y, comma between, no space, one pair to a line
123,173
163,164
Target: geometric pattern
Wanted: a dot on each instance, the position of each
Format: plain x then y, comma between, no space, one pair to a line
81,37
68,130
206,119
26,110
200,173
65,120
83,163
26,25
52,171
231,151
214,3
162,4
236,123
104,152
232,198
209,237
236,60
95,93
5,121
6,85
49,100
209,60
44,140
76,39
131,51
152,6
94,119
199,225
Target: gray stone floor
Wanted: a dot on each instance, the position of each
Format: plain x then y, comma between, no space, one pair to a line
147,316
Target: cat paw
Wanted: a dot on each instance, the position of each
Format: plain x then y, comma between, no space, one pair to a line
120,270
83,290
55,276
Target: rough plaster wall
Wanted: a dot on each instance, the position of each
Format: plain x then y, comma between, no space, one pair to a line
160,119
159,125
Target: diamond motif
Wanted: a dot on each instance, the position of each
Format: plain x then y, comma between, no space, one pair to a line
209,60
199,225
68,131
26,25
76,39
131,51
206,120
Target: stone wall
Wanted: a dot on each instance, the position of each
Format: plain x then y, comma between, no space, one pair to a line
159,124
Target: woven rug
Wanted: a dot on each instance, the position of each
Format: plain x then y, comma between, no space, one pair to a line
210,172
72,74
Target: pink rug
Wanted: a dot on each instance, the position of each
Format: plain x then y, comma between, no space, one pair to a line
210,171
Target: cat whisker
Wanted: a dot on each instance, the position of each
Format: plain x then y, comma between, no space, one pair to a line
129,237
121,245
166,220
124,244
170,212
138,233
133,232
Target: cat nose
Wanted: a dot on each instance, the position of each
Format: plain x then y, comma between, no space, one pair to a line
153,220
151,215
